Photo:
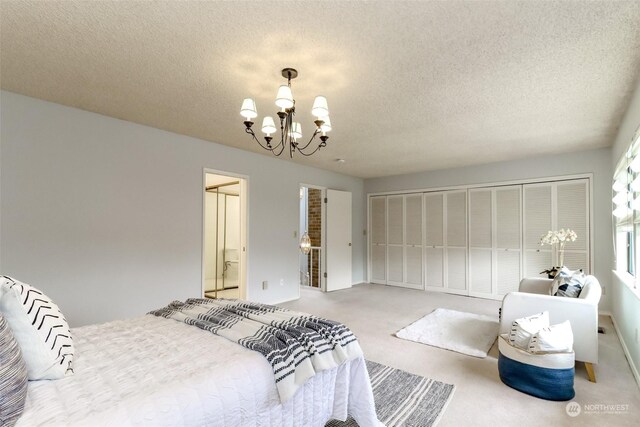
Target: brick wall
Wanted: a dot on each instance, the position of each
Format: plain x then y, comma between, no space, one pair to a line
314,211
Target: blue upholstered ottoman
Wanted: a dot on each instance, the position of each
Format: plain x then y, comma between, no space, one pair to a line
547,376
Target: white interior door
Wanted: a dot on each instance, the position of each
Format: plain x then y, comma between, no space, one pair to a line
434,241
378,239
481,253
508,242
537,219
395,240
572,202
413,265
456,242
338,240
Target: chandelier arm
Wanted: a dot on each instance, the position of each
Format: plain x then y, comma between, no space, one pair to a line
281,145
282,142
310,141
266,147
311,153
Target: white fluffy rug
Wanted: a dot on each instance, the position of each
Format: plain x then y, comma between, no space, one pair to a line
466,333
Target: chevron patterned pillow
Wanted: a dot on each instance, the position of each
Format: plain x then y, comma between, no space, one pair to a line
39,328
13,377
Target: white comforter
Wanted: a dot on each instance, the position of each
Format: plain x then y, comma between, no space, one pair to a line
152,371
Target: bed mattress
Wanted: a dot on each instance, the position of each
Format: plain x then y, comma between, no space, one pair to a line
152,371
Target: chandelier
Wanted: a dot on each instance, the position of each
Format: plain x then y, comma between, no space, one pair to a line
290,131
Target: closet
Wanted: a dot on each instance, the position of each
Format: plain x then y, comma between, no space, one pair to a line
552,206
378,239
475,241
396,243
495,230
446,241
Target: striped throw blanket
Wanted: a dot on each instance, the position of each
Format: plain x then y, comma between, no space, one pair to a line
296,345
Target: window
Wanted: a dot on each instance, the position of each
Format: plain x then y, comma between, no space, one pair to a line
626,209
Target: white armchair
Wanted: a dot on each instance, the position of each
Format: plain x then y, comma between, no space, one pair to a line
582,312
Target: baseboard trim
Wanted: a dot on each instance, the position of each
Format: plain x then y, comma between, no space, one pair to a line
283,301
625,349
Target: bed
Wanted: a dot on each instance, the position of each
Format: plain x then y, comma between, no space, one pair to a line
153,371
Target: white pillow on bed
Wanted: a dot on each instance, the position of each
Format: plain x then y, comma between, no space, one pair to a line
39,328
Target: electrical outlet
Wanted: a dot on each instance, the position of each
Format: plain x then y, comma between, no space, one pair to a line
281,282
604,290
265,285
295,234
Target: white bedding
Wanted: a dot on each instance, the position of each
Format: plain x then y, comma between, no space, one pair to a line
151,371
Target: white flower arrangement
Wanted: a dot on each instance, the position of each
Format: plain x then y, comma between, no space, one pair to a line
559,238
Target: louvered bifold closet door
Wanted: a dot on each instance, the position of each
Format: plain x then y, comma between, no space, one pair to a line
508,232
572,201
434,241
413,241
378,240
456,242
395,240
537,220
481,253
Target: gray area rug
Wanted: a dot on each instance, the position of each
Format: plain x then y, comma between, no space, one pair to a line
404,399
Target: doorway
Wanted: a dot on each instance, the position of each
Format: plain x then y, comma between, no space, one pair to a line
224,247
312,264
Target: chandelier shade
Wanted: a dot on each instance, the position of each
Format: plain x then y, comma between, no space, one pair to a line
284,98
268,125
320,107
290,130
248,109
326,126
296,130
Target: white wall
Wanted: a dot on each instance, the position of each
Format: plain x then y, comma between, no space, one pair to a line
625,304
106,215
593,161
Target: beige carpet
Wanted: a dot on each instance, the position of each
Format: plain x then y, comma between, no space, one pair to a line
375,312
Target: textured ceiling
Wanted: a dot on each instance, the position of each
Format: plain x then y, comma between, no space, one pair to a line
411,85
